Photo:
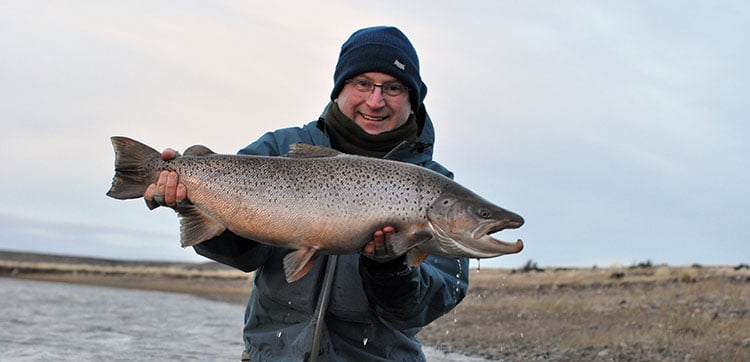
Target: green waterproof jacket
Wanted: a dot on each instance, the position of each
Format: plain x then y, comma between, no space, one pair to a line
375,310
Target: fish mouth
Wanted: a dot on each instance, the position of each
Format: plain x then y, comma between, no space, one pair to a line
489,244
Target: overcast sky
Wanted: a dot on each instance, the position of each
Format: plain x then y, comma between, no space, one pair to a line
618,129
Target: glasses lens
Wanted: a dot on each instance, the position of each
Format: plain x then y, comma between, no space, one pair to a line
393,89
363,85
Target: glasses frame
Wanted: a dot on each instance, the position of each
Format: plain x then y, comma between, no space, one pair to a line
366,85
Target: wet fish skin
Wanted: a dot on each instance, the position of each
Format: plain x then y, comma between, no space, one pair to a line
317,200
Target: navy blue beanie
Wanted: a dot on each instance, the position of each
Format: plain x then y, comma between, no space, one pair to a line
381,49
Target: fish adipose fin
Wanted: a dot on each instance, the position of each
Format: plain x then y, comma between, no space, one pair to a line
297,263
198,150
131,178
196,227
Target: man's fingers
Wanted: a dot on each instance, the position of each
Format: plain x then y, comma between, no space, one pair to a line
387,231
167,191
181,193
378,240
170,188
149,194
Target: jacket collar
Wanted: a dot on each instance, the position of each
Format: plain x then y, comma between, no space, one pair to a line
418,152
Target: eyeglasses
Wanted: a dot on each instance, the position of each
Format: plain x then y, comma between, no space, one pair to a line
392,89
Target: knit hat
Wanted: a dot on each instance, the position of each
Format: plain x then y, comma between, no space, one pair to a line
380,49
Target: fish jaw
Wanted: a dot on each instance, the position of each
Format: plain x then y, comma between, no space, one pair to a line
484,242
463,223
469,244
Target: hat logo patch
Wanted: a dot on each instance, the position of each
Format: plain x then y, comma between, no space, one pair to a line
399,65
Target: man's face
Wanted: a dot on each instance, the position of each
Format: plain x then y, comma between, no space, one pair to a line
374,112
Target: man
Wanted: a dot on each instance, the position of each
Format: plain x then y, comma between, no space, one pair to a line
348,307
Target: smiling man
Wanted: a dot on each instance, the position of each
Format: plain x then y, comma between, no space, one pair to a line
350,307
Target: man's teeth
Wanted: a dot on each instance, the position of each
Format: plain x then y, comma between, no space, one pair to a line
373,118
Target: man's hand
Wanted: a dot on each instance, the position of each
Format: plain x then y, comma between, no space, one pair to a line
167,191
378,247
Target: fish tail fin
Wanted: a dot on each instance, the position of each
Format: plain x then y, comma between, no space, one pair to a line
196,226
131,178
298,263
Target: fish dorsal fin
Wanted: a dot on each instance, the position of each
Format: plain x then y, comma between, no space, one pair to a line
198,150
297,263
301,150
196,227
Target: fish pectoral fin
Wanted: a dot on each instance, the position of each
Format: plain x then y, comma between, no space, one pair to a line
415,257
196,227
302,150
400,243
297,263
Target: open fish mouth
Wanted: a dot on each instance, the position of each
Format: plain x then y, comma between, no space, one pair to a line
489,244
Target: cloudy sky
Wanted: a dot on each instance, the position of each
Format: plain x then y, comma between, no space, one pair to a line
618,129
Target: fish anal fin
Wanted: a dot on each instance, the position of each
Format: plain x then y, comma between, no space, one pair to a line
301,150
298,263
196,227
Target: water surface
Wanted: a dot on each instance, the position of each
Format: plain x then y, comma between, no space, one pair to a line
68,322
48,321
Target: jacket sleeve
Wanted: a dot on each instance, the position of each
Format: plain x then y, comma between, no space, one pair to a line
405,297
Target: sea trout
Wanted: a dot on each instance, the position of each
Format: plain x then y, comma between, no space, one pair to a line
316,200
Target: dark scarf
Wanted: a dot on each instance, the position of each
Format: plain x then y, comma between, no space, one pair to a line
346,136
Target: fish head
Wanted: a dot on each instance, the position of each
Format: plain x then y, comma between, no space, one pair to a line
463,223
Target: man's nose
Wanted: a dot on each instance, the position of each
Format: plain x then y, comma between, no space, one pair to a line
375,98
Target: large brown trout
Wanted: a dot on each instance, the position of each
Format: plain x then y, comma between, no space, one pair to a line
317,200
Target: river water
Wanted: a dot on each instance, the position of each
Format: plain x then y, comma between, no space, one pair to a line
47,321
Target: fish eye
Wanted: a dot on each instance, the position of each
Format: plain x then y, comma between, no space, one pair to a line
484,213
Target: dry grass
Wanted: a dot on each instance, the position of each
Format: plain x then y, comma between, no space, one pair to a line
650,313
223,284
